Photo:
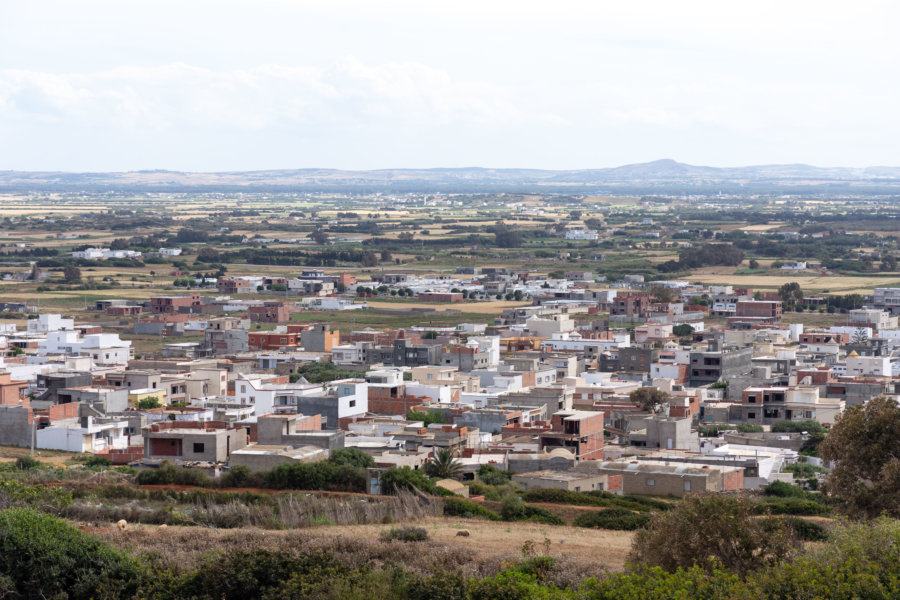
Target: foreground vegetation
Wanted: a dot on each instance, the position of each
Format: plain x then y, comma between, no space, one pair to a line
43,557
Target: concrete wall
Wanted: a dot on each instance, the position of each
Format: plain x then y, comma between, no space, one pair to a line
15,426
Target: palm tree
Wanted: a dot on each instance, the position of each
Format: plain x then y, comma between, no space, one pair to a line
444,465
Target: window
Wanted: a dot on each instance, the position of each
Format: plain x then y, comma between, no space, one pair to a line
352,403
751,415
649,482
199,447
687,485
346,391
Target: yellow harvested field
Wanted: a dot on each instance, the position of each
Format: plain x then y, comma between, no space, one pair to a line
495,306
765,227
835,284
489,539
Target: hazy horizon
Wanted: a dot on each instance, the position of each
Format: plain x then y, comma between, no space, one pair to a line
234,85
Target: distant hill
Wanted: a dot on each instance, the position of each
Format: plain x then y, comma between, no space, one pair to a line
661,176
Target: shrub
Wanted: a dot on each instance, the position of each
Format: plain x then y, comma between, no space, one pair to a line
169,474
493,476
612,518
749,428
791,506
396,479
27,463
711,531
44,557
807,425
405,534
803,529
595,498
513,509
239,476
353,457
98,461
783,489
324,475
460,507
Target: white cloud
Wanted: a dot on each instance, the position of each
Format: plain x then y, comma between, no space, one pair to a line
178,95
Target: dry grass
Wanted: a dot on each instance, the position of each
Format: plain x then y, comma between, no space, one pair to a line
495,306
580,553
835,284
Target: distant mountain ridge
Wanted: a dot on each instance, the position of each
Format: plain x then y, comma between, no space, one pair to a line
662,175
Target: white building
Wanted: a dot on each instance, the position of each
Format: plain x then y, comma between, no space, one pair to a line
332,303
793,265
334,400
107,349
170,251
868,365
48,323
82,435
582,234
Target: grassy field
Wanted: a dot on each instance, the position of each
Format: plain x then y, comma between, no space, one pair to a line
833,284
489,543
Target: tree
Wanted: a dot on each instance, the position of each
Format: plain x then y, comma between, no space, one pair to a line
710,531
353,457
397,479
444,465
386,256
864,445
148,403
662,293
575,215
71,274
753,264
683,330
791,294
208,254
369,259
508,239
649,398
319,237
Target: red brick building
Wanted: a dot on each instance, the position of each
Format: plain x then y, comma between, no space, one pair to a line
173,304
824,337
579,431
440,297
270,312
632,304
270,340
230,285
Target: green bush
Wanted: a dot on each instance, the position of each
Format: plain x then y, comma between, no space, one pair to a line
239,476
513,509
323,475
791,506
460,507
612,518
353,457
749,428
169,474
490,475
27,463
807,425
803,529
405,534
783,489
396,479
98,461
595,498
44,557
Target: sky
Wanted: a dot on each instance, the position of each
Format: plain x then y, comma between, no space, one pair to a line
225,85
